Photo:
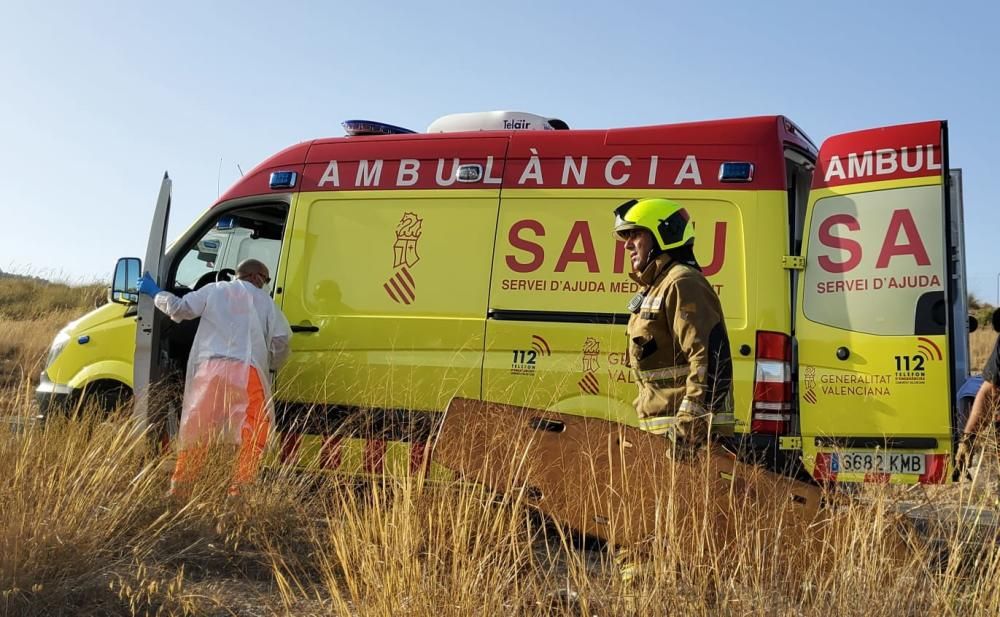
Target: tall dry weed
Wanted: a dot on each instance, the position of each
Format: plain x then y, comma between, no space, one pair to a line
28,298
397,548
77,500
85,529
981,343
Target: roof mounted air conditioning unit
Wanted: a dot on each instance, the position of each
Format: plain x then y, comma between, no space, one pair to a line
495,121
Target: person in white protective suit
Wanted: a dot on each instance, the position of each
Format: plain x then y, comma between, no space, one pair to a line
242,337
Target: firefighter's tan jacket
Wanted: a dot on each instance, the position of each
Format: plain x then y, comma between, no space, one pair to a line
679,350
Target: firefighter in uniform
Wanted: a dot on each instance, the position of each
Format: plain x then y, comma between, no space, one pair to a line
678,347
677,341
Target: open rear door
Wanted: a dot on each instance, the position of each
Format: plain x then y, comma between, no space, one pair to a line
146,346
874,325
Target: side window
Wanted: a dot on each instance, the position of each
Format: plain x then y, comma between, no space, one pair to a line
262,249
875,260
254,233
798,178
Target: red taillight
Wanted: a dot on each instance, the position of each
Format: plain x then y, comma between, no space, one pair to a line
774,346
771,411
772,392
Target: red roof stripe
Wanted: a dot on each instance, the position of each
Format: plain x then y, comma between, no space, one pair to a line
641,158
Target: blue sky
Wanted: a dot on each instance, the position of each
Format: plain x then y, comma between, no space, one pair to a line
98,100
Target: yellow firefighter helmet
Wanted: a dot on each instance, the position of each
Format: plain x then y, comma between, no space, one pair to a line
667,220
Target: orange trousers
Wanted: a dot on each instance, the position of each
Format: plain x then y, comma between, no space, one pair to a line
253,440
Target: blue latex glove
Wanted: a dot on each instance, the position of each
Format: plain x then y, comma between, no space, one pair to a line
147,286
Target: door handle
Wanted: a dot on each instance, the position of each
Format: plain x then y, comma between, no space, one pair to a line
304,328
544,424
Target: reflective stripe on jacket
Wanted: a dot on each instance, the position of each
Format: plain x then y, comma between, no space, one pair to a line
722,423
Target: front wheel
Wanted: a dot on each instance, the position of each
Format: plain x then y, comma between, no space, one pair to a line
107,396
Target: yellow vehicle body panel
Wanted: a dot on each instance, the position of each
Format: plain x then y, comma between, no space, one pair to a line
891,383
396,284
555,253
114,370
107,354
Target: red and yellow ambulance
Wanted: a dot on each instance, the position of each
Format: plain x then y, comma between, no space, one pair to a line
476,260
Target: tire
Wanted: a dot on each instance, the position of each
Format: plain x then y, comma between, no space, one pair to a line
108,396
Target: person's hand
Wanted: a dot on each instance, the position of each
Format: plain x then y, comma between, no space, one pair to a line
692,422
147,286
689,432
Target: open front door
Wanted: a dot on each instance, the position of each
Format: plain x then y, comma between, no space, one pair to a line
873,316
145,339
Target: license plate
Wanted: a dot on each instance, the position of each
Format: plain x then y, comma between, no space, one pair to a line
878,462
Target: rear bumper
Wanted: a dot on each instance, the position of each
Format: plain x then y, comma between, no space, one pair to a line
53,398
765,450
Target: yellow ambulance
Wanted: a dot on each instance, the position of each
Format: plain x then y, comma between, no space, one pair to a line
476,259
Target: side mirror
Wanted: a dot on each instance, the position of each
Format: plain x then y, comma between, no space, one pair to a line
973,323
127,273
996,320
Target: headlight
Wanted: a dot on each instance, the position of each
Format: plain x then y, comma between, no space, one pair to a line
58,344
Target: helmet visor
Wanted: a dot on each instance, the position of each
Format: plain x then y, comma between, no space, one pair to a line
621,223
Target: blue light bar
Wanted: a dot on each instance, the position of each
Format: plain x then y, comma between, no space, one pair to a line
226,222
358,128
283,179
736,172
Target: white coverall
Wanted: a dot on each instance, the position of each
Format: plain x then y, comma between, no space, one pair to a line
242,337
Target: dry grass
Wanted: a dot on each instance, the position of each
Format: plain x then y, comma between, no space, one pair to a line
981,344
31,312
28,298
85,529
